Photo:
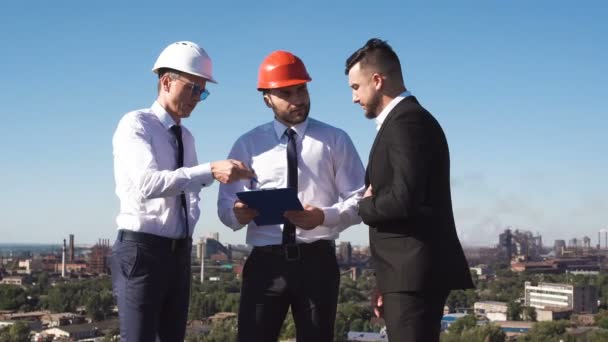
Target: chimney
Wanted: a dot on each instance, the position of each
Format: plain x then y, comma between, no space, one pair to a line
63,260
71,247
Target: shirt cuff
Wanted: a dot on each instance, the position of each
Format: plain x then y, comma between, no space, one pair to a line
201,174
332,216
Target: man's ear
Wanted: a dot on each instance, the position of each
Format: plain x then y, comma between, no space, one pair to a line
267,100
165,82
378,81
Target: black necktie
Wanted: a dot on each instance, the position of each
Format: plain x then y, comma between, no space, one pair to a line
177,130
289,230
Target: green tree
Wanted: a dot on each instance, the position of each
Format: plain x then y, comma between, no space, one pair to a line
223,331
112,335
546,331
530,313
12,297
17,332
599,335
462,324
288,331
514,311
484,333
462,298
99,305
602,322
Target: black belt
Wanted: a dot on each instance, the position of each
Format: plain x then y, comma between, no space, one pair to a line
293,252
153,240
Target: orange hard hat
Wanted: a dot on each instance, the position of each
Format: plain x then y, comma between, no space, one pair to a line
281,69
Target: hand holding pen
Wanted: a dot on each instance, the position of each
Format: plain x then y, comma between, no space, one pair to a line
228,171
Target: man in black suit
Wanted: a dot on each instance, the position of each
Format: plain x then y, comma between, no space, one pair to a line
408,207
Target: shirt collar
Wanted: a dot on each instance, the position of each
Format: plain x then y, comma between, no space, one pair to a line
280,128
394,102
164,117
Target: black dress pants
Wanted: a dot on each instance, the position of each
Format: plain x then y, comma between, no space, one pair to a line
304,277
151,281
414,316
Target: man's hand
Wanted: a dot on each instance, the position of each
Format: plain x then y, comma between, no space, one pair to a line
243,213
377,303
368,192
307,219
227,171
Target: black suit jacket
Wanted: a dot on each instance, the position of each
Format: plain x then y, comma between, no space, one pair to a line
413,237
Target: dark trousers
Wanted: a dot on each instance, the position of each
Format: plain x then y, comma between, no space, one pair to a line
306,278
414,316
151,281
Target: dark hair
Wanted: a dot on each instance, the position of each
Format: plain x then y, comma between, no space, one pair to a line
377,54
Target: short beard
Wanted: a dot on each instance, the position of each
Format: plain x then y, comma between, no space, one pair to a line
372,107
294,122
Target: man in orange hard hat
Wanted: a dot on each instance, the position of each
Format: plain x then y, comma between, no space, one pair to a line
158,180
293,264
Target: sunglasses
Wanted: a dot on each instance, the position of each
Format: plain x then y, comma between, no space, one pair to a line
196,89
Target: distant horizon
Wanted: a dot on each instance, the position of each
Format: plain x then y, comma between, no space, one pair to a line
517,86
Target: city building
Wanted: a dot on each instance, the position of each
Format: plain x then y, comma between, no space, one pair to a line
71,268
449,319
588,263
15,280
515,328
24,316
559,247
61,319
99,257
482,271
561,296
77,332
493,311
553,314
345,253
25,266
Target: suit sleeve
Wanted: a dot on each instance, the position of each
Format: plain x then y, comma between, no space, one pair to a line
402,194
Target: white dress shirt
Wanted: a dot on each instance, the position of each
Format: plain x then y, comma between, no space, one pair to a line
147,184
384,113
330,177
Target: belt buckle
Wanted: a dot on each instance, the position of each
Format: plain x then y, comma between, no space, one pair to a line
292,252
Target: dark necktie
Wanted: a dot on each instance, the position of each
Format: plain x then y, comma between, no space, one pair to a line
177,130
289,230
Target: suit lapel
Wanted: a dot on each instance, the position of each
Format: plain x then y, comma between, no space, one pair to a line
400,107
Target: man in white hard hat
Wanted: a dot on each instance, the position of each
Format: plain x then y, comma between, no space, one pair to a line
158,179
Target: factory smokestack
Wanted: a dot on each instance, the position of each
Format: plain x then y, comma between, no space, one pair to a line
71,248
63,260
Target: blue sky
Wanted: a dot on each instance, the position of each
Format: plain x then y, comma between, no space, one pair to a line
516,85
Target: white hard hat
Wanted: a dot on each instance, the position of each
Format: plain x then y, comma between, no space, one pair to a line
186,57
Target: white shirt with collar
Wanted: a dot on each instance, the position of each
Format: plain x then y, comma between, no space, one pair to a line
384,113
147,183
330,176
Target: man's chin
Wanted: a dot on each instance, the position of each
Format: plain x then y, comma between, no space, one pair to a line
370,115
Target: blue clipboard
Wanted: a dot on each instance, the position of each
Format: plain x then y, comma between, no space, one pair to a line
271,204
